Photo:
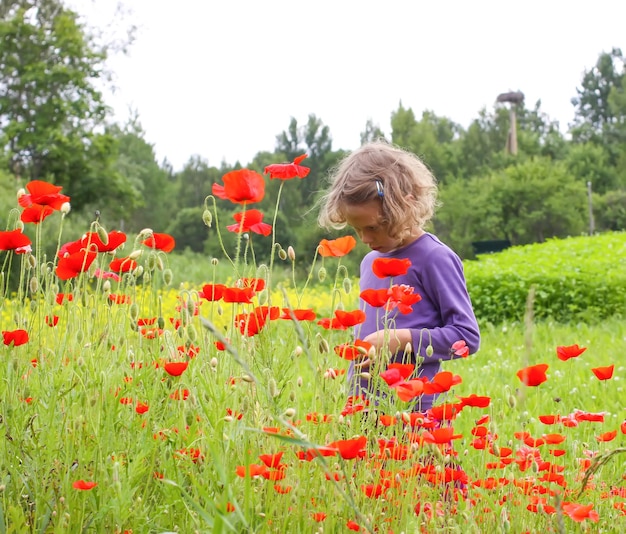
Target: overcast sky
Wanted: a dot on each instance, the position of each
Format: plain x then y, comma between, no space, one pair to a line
221,78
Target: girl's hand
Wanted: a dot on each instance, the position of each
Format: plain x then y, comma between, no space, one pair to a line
394,339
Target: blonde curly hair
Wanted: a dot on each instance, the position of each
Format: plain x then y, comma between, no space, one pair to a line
379,170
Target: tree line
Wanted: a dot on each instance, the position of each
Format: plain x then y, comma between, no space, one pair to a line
55,126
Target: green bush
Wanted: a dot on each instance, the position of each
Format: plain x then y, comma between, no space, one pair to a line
575,279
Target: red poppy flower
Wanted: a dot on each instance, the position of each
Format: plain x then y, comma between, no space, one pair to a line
72,265
402,297
440,436
258,284
44,194
15,337
331,324
123,265
385,267
350,448
64,297
580,512
409,389
446,411
351,318
287,171
252,470
241,295
52,320
351,351
318,516
212,292
460,348
376,298
175,368
572,351
300,315
250,221
622,427
84,485
272,460
475,401
164,242
141,408
119,299
533,375
115,239
35,214
241,187
603,373
607,436
180,394
336,248
14,240
353,525
441,382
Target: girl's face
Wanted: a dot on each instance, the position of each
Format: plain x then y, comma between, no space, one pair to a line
368,222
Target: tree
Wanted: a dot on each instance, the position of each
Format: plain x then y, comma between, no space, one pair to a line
371,133
51,114
136,163
595,118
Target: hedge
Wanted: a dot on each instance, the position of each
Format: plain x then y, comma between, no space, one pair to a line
575,279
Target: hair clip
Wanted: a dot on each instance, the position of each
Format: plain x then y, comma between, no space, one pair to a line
379,188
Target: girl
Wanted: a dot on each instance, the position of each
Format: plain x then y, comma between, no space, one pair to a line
387,195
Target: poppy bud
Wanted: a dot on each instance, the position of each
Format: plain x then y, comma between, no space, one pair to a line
161,323
159,263
213,362
151,263
512,401
135,254
133,311
146,277
192,333
21,192
429,351
214,261
290,413
298,351
291,253
282,254
32,261
145,233
247,378
366,376
102,234
263,296
106,286
167,276
273,388
347,286
19,225
323,346
292,396
207,218
65,208
34,284
321,274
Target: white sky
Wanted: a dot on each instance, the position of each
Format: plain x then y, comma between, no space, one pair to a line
221,78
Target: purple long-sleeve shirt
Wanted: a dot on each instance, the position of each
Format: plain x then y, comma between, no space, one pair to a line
445,310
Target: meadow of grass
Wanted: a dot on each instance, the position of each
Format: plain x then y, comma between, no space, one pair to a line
131,405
